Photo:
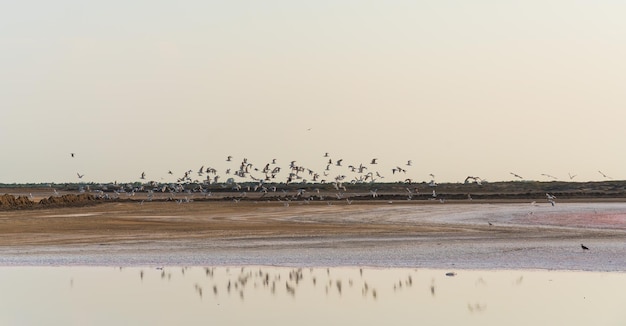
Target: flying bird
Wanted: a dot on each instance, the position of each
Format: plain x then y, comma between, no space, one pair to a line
571,176
374,161
604,175
549,176
469,179
80,176
516,175
72,154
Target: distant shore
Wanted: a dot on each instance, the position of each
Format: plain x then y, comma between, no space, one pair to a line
498,192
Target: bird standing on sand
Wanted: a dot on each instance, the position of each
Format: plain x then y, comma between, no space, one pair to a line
584,247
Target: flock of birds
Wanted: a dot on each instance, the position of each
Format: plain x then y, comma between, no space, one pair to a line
335,171
244,176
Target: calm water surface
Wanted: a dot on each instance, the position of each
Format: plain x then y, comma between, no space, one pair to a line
262,295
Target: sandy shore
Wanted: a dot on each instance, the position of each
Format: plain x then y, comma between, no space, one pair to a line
402,234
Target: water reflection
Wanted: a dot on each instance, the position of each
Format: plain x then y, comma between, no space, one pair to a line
309,296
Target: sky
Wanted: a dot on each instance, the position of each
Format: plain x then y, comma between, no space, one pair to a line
461,88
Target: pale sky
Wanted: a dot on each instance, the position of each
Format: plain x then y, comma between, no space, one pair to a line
480,88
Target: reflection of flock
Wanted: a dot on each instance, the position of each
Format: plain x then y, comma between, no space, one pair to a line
225,283
237,281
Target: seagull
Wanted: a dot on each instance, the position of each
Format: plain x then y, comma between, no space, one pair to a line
229,158
584,247
80,176
516,175
604,175
72,154
571,176
143,175
549,176
374,161
409,162
469,179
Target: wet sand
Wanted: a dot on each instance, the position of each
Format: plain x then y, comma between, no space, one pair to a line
398,234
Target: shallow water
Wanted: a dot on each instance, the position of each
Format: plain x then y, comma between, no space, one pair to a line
307,296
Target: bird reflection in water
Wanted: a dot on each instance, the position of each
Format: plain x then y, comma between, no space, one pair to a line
298,282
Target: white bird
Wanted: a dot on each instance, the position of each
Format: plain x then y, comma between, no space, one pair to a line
374,194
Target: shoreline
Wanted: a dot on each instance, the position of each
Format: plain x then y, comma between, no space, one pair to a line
436,236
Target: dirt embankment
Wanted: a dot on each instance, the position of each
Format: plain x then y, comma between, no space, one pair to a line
10,202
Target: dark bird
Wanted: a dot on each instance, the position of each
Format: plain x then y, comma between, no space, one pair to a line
516,175
584,247
72,154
